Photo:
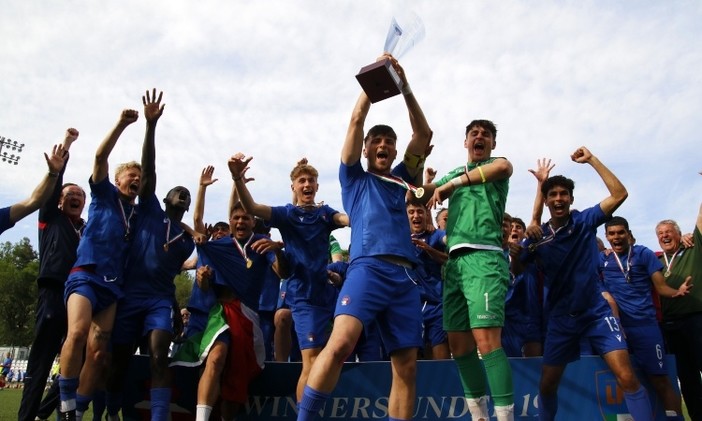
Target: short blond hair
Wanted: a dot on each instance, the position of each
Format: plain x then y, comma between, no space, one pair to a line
303,167
126,166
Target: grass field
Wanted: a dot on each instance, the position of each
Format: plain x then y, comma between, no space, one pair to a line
10,401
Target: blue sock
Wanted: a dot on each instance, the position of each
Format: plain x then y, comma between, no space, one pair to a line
160,403
113,402
312,401
638,404
98,404
82,402
548,405
67,393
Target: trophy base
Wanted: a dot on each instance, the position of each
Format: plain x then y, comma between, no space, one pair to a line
379,80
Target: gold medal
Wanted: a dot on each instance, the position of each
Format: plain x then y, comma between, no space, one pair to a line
242,250
419,192
667,273
165,247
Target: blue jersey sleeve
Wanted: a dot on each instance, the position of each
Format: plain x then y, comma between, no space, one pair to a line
5,223
349,173
650,260
591,217
278,216
103,189
339,267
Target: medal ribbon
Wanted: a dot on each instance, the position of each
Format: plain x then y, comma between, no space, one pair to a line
669,264
242,250
168,234
547,238
126,220
628,263
418,191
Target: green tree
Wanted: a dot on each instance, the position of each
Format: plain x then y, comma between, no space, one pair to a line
19,268
184,286
19,254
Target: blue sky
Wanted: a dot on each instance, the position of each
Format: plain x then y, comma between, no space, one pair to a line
275,80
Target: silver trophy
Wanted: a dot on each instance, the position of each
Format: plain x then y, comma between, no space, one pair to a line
379,80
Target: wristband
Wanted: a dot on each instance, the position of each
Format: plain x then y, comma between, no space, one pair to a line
236,178
457,181
406,89
52,174
482,175
413,161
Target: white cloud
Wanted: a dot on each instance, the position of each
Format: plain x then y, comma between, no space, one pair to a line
275,80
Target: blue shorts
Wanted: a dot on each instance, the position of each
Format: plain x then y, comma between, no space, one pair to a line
90,286
369,346
515,335
282,302
376,290
647,348
433,326
563,335
312,324
225,337
137,317
196,323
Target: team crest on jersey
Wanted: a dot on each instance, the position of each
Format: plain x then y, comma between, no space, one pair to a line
346,300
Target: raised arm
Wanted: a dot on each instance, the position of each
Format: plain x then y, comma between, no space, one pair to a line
418,147
100,167
238,166
699,217
70,137
353,144
541,173
429,175
617,191
51,204
43,191
234,196
199,212
153,109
